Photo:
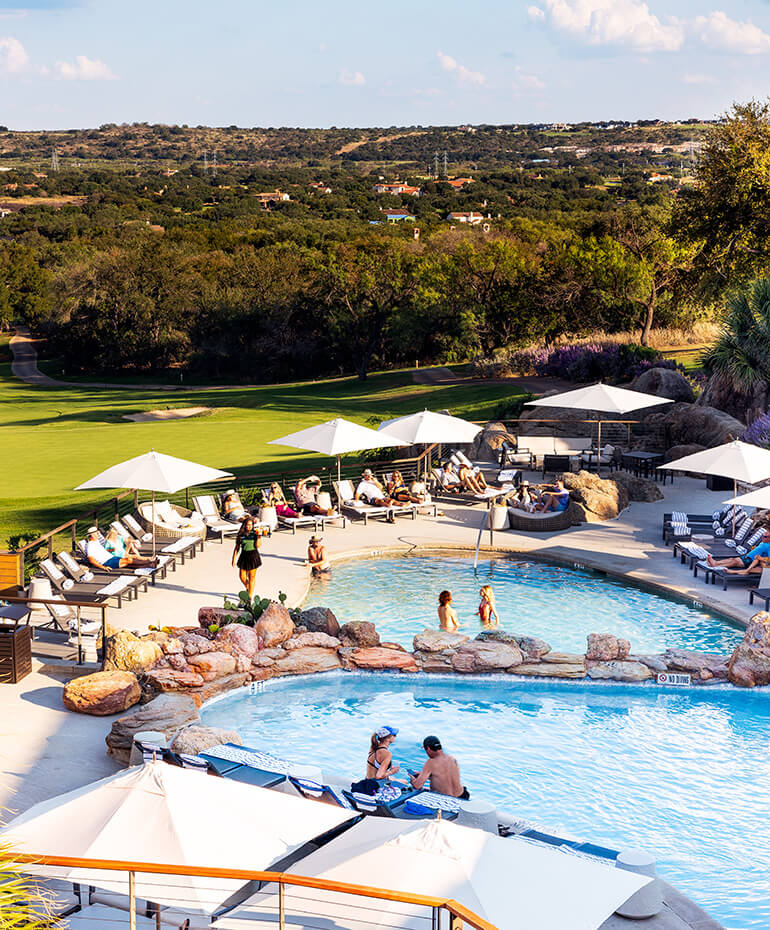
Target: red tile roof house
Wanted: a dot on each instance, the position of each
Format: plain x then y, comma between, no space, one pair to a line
472,219
397,187
458,183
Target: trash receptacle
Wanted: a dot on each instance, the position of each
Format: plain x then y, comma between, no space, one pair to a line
15,652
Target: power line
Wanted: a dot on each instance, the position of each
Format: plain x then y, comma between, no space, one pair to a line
54,161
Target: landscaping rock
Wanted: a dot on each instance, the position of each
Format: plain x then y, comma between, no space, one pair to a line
618,671
306,660
128,653
701,665
262,661
222,616
195,739
213,665
210,689
693,423
638,489
171,679
320,620
177,662
680,451
475,657
750,663
745,405
359,633
172,646
378,657
275,625
664,382
655,663
550,670
599,498
434,661
236,638
531,646
167,714
437,641
102,693
604,647
487,444
564,658
194,644
312,639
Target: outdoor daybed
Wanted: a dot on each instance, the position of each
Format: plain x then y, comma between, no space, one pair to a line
171,520
549,522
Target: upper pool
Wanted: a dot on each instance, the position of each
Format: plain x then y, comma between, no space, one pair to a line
559,604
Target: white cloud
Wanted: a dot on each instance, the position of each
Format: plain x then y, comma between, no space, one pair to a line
700,79
83,69
718,31
527,82
462,73
351,78
13,57
629,23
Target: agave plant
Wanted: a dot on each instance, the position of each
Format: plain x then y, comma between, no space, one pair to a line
741,355
24,905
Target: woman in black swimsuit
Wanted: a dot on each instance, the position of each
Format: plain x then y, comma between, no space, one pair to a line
247,544
379,762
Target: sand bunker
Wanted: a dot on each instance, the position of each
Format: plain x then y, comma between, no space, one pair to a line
171,413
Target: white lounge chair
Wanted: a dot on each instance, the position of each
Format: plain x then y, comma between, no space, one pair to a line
361,511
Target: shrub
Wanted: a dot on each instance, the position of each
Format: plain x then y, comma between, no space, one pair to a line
758,432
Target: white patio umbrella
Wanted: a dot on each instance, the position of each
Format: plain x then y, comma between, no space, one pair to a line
163,814
337,437
153,472
603,398
430,429
509,882
760,498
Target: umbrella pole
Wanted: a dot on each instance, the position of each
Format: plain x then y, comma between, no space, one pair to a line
735,494
599,444
153,524
132,900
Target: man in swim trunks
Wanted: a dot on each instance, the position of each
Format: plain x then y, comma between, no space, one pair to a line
442,771
745,564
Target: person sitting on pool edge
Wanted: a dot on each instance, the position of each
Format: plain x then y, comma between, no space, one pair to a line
441,770
748,564
379,762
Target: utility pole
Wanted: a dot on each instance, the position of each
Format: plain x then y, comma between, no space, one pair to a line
214,164
205,162
55,161
446,169
435,165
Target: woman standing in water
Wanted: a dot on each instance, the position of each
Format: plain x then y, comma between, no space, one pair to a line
447,615
487,609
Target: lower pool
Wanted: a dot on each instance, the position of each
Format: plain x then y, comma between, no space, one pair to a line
682,773
559,604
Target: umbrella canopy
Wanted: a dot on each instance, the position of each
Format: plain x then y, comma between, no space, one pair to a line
509,882
738,460
154,471
758,498
428,427
603,398
164,814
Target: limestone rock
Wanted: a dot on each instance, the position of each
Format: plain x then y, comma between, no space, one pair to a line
750,663
604,647
194,644
237,638
564,658
664,382
103,693
306,660
262,661
320,620
655,663
693,423
359,633
434,661
475,657
213,665
618,670
437,641
550,670
701,665
221,616
275,625
377,657
210,689
167,713
171,679
312,639
195,739
128,653
638,489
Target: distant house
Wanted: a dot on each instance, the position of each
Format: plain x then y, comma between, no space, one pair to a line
398,214
472,219
656,178
321,188
459,183
272,197
397,187
4,213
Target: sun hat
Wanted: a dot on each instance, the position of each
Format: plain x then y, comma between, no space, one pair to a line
92,529
229,491
382,732
316,539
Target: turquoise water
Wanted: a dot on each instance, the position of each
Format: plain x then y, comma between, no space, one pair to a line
682,773
561,605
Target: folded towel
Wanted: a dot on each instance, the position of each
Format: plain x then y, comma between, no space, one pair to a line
116,586
68,584
719,532
741,550
679,516
730,543
147,537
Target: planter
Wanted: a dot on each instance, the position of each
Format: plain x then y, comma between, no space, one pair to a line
15,653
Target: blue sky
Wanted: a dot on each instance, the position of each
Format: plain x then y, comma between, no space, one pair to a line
66,64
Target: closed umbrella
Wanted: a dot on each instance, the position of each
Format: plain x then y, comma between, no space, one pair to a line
429,429
154,471
163,814
337,437
510,882
603,398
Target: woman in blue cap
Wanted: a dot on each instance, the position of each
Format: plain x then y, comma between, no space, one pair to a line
379,762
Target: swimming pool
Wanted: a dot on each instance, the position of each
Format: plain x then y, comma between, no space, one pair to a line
683,774
559,604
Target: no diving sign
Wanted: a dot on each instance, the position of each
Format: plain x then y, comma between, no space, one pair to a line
673,678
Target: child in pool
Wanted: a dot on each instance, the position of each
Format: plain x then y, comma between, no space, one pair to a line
447,615
487,608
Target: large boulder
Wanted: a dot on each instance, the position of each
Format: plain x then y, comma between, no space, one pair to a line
597,499
306,660
618,670
379,658
213,665
359,633
680,451
299,640
319,620
745,405
487,444
174,679
664,382
128,653
194,644
750,663
638,489
701,665
238,639
166,714
604,647
693,423
437,641
102,693
195,739
275,625
475,657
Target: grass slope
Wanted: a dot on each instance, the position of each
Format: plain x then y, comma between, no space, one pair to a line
54,438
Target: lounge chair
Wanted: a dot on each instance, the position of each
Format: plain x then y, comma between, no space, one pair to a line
589,458
186,547
170,521
425,506
98,590
314,521
206,506
719,575
361,511
440,492
317,792
65,617
512,455
145,572
762,591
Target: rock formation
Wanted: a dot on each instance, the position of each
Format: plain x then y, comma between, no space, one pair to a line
102,693
664,382
167,714
275,625
750,663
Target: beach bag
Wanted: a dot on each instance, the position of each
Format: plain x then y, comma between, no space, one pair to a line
368,786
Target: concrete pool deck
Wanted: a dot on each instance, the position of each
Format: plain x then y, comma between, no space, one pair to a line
47,750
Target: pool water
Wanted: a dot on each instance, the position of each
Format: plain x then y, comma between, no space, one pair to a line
683,773
560,605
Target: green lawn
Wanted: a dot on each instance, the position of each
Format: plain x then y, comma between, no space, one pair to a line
690,357
55,438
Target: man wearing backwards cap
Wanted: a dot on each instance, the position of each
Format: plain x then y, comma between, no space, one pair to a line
442,770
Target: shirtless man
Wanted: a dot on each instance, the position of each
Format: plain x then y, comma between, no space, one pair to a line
442,771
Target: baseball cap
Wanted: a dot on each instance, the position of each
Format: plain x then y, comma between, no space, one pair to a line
382,732
432,742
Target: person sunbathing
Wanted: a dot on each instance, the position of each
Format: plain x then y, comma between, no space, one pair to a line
398,491
472,481
104,560
750,563
556,498
450,480
306,496
232,508
276,498
119,545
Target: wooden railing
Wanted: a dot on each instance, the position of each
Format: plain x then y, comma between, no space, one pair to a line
459,915
78,605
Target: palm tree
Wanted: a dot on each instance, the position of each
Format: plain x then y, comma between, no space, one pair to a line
23,904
